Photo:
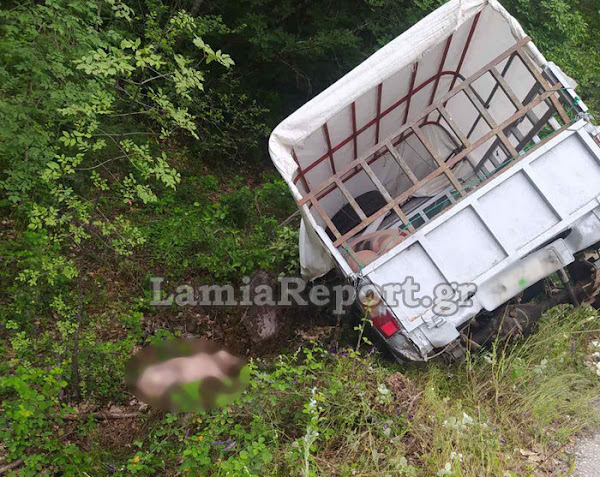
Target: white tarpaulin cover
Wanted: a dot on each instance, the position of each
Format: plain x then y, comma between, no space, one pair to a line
390,88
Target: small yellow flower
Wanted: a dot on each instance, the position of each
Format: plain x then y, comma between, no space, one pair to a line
199,420
136,458
200,438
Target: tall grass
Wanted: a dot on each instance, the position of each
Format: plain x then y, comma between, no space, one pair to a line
507,410
526,400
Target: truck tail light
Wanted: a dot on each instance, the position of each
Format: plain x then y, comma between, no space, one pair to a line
385,322
383,319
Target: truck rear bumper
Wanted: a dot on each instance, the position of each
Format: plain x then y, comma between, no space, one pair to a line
500,288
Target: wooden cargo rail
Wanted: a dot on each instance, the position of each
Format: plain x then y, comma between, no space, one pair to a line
544,93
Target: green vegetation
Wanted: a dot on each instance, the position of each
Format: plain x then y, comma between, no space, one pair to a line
508,411
133,143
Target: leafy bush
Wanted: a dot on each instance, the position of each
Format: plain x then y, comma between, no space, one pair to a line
230,237
31,416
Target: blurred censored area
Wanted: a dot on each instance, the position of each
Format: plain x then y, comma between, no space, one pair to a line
186,375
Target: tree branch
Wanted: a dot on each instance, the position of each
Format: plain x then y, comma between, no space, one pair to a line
101,164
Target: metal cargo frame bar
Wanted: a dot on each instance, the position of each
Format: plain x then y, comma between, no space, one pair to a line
545,92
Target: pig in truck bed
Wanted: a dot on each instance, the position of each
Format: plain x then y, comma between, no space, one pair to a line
456,158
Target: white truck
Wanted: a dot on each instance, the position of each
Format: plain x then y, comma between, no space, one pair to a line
456,158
